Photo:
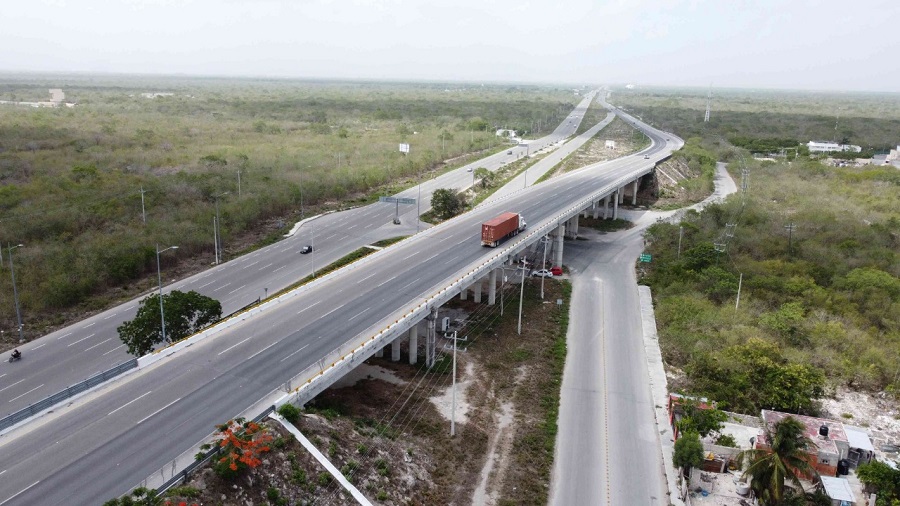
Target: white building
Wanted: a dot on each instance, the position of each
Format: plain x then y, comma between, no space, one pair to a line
831,147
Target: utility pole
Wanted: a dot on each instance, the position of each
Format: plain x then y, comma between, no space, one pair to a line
521,296
218,234
143,211
790,229
737,301
216,239
239,184
680,235
545,240
162,314
453,395
12,271
708,99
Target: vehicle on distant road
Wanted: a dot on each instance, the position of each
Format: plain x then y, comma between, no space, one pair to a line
497,229
469,169
646,157
306,249
509,152
542,273
556,271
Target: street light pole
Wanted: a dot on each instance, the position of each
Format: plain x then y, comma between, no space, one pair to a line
12,271
162,314
218,234
312,245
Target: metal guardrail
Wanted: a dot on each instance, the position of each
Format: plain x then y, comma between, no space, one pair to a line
48,402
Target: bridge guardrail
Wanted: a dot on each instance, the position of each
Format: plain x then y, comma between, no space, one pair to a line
48,402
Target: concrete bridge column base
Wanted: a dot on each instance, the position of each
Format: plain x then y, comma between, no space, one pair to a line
413,344
558,250
464,294
492,287
476,289
634,191
617,196
395,350
606,207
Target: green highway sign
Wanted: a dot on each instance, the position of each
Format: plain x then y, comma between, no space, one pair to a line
397,200
646,257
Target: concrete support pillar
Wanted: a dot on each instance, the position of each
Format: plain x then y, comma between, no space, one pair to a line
476,288
380,352
492,287
606,207
621,193
634,190
575,226
395,350
558,250
430,339
413,344
596,210
464,294
618,197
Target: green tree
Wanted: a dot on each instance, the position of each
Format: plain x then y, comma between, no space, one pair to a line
787,322
185,314
487,177
784,460
447,203
688,452
699,420
884,479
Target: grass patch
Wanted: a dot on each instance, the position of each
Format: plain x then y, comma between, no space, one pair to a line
337,264
384,243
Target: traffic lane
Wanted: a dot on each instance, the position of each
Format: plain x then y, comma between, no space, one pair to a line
579,469
63,355
637,476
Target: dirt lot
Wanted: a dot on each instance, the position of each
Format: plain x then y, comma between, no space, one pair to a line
388,431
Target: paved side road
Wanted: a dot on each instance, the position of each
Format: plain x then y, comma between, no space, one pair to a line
614,444
607,450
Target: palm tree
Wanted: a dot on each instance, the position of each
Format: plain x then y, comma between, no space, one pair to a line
784,459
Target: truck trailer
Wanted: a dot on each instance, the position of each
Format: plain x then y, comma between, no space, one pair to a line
497,229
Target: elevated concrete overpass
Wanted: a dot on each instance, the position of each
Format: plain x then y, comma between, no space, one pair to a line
101,447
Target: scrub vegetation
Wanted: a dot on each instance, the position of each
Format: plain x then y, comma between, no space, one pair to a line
815,250
819,303
71,179
768,120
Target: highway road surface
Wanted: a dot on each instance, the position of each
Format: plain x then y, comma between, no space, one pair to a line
103,445
72,354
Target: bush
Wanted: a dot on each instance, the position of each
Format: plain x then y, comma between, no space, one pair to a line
290,412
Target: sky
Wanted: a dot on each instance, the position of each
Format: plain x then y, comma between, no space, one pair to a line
800,44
